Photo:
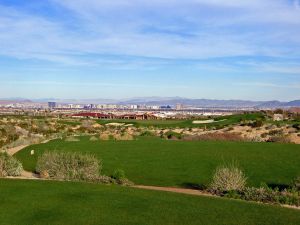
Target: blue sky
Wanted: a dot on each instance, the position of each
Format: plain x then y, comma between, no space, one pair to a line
213,49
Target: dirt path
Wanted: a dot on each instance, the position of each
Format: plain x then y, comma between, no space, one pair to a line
12,151
176,190
25,174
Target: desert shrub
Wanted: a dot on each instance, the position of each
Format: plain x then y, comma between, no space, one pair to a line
256,139
172,135
72,139
9,166
124,137
146,134
228,178
93,138
275,132
268,195
261,194
256,123
296,183
215,137
87,125
104,136
264,135
296,126
68,166
106,180
280,139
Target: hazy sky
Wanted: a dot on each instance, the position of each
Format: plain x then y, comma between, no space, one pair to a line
224,49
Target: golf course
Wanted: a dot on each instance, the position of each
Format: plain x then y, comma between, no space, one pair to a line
154,161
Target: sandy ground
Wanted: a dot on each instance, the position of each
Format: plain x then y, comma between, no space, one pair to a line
12,151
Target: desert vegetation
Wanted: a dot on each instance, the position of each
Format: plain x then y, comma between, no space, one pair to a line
176,153
9,166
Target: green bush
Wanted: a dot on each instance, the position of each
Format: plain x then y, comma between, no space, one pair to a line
120,178
118,174
228,178
9,166
68,166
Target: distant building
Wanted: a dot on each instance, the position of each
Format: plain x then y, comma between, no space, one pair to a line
179,106
51,105
133,106
155,107
165,107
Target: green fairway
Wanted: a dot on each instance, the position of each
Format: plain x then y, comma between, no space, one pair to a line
153,161
47,202
219,121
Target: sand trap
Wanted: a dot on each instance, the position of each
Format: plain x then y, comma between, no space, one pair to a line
115,124
129,125
206,121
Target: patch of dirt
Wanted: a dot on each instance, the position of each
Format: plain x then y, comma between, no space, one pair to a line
175,190
12,151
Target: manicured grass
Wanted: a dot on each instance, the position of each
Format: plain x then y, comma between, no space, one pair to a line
45,202
154,161
220,121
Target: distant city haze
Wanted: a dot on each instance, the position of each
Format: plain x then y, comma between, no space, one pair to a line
196,49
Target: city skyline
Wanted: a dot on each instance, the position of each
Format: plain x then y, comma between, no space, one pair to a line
214,49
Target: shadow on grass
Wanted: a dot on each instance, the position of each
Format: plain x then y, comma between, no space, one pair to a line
193,186
280,187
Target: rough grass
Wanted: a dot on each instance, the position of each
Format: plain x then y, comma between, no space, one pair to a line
153,161
56,203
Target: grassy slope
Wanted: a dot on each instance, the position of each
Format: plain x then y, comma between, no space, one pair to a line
174,163
40,202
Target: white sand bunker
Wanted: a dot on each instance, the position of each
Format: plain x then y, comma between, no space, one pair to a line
206,121
115,124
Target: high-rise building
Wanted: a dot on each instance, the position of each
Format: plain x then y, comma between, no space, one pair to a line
179,106
51,105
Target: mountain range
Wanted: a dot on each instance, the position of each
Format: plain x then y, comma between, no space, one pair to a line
206,103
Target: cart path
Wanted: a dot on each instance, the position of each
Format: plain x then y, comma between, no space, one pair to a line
176,190
12,151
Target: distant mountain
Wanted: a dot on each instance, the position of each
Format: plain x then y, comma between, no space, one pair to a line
196,102
201,103
213,103
271,104
295,103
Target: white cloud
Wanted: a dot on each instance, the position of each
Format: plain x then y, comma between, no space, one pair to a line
268,85
185,30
